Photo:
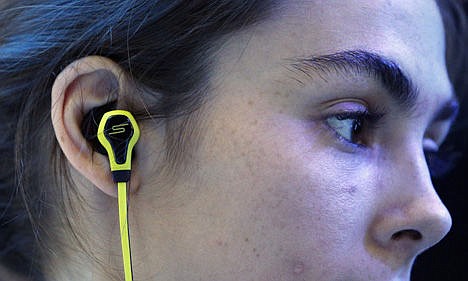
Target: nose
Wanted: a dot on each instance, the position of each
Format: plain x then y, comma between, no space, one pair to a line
411,216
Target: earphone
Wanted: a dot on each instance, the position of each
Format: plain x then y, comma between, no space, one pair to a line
118,133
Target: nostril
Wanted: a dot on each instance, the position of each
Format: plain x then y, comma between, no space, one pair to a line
407,233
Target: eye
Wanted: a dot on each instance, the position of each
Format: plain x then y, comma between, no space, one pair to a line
441,155
349,126
441,162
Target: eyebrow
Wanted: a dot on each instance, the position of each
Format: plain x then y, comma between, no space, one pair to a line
398,85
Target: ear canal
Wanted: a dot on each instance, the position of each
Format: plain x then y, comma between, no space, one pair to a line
90,124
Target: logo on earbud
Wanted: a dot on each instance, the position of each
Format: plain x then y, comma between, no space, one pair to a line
118,129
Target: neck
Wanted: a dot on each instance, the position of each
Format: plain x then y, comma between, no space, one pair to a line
84,242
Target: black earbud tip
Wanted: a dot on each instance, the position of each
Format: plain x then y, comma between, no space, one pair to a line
90,124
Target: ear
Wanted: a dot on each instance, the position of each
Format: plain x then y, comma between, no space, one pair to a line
83,85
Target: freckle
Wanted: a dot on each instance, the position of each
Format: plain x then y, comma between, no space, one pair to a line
298,268
221,243
250,102
351,190
246,240
257,255
254,250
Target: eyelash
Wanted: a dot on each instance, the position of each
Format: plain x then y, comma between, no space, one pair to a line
439,162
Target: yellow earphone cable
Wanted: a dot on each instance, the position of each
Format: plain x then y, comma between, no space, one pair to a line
124,230
118,133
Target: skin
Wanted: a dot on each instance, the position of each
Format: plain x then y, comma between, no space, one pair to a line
270,191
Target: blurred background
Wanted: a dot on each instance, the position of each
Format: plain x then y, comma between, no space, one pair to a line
448,260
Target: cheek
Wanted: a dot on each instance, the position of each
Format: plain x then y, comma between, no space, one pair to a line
295,205
307,197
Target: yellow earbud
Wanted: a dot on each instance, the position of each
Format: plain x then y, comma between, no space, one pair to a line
118,133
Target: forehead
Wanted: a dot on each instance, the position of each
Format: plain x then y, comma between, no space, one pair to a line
408,32
377,24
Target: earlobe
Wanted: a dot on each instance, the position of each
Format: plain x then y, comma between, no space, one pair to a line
91,82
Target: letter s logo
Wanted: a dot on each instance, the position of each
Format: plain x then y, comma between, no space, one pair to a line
118,129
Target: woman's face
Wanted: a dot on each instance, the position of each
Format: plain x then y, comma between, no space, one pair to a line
311,163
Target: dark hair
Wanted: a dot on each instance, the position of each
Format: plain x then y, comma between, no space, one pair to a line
167,48
455,22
